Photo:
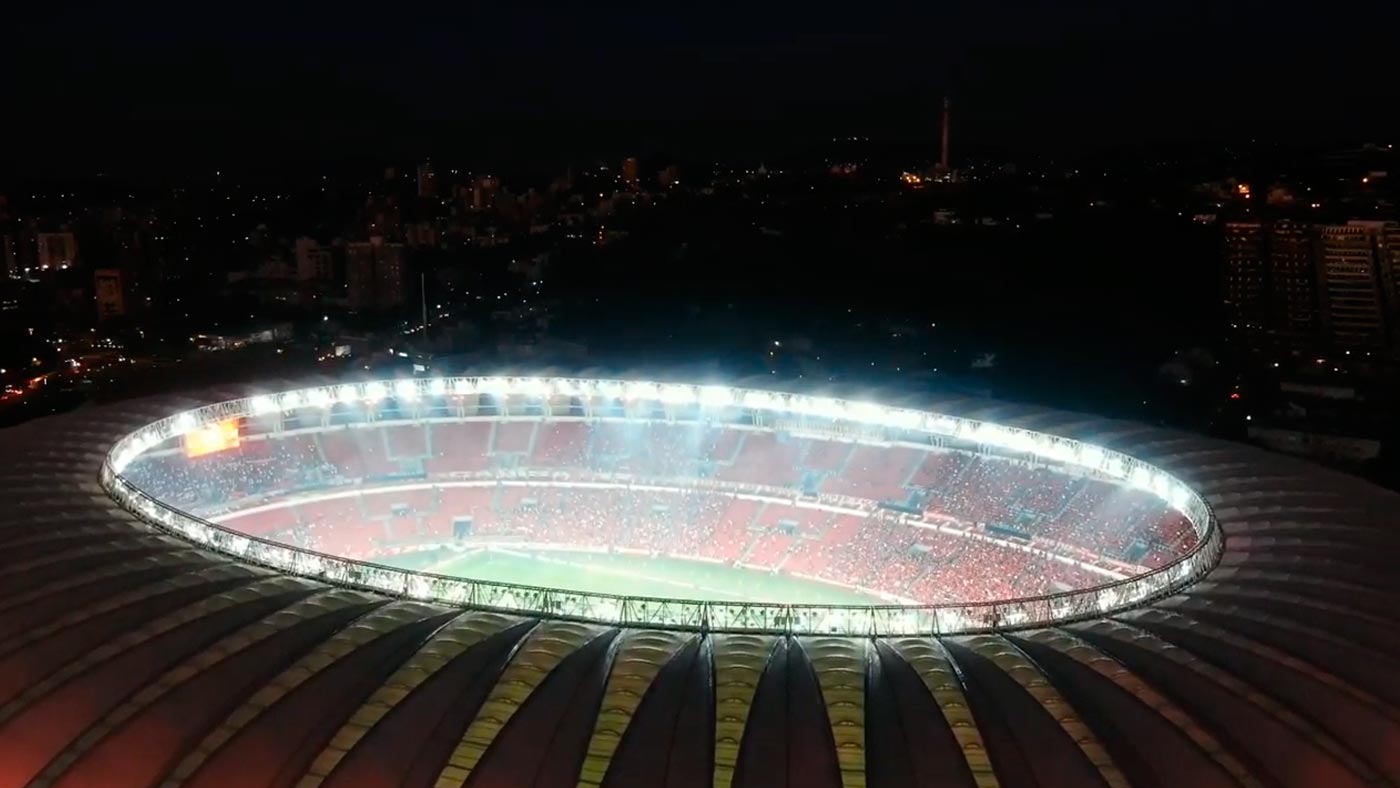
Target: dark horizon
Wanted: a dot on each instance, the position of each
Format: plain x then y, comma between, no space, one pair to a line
106,89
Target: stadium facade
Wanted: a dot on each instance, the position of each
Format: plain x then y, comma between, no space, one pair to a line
136,649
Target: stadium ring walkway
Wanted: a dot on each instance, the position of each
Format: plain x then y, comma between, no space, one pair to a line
129,657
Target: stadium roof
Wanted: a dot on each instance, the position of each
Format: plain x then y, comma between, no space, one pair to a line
129,657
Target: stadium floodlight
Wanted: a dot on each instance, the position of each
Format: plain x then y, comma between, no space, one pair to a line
185,422
678,395
610,389
1019,440
375,392
1141,478
320,397
642,391
1135,592
943,425
607,609
464,386
1108,599
289,401
865,412
1015,440
534,387
1064,451
1118,466
406,390
419,587
1090,456
759,400
990,434
821,407
903,418
1014,614
263,405
1161,485
949,619
716,397
437,387
806,406
455,592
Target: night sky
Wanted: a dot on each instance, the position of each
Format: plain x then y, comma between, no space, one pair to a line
107,85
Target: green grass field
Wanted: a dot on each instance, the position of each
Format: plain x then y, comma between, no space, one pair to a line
636,576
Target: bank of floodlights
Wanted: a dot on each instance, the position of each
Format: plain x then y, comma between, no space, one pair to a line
711,400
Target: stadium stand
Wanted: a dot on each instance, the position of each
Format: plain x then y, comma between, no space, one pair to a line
460,447
561,444
407,441
901,557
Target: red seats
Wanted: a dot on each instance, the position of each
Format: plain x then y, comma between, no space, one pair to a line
1054,509
459,447
561,444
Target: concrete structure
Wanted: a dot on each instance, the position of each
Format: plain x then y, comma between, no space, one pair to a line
427,180
111,293
945,157
375,273
9,256
315,263
1351,298
57,251
1292,271
1245,286
130,659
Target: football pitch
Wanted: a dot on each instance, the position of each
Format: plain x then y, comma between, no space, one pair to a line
637,575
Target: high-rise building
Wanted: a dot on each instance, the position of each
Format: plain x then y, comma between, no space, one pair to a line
110,292
9,256
1351,298
1293,285
1245,285
390,276
421,235
484,191
1388,256
1292,282
57,250
314,261
359,274
945,158
374,275
427,180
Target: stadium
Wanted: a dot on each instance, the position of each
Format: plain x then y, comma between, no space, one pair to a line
562,581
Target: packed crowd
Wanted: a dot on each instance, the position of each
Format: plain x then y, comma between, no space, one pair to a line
254,469
993,496
864,550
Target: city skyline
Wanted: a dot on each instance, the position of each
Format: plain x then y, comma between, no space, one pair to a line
889,395
144,87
